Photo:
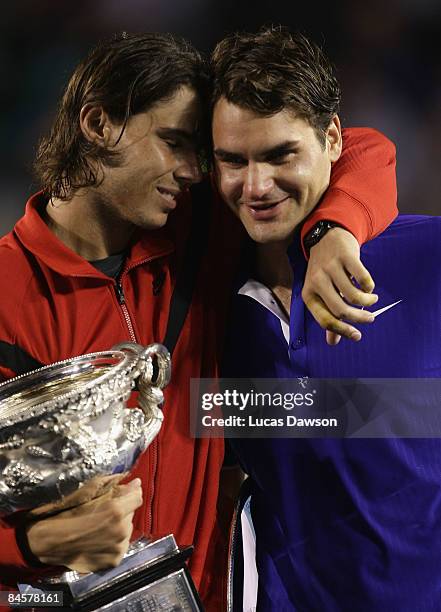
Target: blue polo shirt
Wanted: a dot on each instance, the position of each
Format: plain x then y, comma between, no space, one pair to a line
349,525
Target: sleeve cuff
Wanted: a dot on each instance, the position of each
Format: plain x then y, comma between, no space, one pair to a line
358,222
23,544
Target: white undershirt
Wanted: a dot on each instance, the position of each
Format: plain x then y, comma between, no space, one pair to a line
250,575
260,292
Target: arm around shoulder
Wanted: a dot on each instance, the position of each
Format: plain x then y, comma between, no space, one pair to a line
362,194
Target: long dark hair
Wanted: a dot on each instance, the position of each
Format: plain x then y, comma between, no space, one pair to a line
125,75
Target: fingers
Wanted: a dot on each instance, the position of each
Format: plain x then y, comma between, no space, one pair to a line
360,274
342,310
109,538
91,489
92,536
347,288
105,559
127,496
336,282
328,321
330,300
332,339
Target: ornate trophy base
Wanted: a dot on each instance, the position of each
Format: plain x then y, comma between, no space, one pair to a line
153,576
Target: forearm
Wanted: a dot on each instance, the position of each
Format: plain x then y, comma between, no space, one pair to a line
362,194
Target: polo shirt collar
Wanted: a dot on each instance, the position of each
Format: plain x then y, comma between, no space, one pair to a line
260,293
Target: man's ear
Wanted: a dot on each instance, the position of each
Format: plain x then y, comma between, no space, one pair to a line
334,141
96,125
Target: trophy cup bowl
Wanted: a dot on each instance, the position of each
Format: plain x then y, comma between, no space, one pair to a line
67,423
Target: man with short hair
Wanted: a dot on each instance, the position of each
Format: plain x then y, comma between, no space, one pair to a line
340,524
97,259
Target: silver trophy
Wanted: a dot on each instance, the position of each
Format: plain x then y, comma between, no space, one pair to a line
67,423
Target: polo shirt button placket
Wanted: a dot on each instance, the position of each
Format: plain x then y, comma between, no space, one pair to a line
297,343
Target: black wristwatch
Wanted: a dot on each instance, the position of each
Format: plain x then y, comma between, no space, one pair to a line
316,234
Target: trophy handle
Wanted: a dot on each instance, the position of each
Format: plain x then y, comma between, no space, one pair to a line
159,376
154,367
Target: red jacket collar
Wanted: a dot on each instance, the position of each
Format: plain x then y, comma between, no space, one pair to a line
35,235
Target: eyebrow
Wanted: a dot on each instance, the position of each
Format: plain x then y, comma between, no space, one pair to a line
272,152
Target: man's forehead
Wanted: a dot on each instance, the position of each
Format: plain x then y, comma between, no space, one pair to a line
229,113
234,127
182,107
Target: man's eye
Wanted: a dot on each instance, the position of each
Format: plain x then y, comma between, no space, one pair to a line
282,158
234,163
173,144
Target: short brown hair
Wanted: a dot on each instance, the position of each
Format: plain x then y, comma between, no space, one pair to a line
126,75
275,69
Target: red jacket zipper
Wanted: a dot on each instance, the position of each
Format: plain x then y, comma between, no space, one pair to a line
122,303
154,445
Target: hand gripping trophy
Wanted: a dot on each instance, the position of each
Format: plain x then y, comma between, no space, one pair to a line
67,423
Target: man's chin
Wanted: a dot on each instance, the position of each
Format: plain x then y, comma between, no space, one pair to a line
153,224
268,236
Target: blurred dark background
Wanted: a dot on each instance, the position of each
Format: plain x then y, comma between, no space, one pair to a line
387,52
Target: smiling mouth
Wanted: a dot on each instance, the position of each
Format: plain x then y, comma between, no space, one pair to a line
168,195
263,206
264,210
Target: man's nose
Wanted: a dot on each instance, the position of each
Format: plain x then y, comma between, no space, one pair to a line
189,169
258,181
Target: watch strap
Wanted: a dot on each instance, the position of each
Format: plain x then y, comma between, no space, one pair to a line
317,232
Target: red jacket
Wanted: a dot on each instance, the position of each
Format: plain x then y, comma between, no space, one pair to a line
56,305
